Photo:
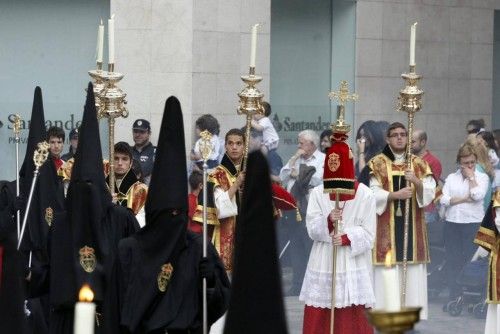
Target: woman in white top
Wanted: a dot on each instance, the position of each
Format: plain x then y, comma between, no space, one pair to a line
463,194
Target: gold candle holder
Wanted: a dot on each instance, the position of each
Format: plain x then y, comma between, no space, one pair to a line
250,104
394,322
409,101
410,97
98,83
112,105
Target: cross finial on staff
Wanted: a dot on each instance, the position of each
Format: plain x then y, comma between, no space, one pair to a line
342,95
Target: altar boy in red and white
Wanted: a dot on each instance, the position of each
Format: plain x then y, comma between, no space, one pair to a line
353,239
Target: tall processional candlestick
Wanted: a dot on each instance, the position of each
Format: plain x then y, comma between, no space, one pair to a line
109,98
409,101
250,96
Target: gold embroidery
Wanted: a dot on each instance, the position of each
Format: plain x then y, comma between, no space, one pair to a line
333,162
164,276
49,215
88,259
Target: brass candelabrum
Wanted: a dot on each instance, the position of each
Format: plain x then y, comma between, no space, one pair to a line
98,83
110,104
397,322
250,104
409,101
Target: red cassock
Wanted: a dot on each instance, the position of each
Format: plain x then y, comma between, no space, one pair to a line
349,320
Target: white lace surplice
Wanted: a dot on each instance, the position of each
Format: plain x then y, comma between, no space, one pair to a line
354,281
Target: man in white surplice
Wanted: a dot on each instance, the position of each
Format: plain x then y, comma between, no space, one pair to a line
390,181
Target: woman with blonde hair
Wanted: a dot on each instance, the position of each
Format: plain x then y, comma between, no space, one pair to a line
482,154
463,195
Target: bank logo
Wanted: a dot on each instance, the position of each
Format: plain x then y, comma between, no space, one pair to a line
291,125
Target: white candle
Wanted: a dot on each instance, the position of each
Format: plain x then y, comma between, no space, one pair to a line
84,312
111,39
100,43
392,298
253,48
413,32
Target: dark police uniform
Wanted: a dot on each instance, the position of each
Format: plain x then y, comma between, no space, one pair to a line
145,157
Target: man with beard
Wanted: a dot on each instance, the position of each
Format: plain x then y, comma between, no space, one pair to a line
223,186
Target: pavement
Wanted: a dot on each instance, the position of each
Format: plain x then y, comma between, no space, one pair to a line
439,322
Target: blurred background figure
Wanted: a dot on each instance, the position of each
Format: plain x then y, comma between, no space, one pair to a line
208,123
143,150
474,126
463,195
483,165
325,140
73,144
370,140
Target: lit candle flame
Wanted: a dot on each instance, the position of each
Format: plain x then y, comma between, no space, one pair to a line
388,259
86,294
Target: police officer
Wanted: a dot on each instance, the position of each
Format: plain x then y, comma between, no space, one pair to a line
73,141
142,150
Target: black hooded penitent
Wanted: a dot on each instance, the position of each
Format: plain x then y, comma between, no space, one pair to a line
256,304
159,274
85,238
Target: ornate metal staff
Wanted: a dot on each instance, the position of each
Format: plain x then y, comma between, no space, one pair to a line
17,128
110,103
343,96
409,101
39,157
250,104
206,151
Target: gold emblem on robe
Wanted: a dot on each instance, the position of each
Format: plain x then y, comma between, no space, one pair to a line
164,276
49,215
333,162
88,259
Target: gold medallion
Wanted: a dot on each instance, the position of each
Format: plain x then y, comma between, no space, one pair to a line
333,162
164,276
88,260
49,215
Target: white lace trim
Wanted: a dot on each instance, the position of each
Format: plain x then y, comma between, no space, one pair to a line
352,288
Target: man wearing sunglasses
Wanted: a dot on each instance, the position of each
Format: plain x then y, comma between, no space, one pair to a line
393,182
143,151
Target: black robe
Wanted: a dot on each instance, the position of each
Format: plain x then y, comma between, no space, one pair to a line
118,223
12,283
180,308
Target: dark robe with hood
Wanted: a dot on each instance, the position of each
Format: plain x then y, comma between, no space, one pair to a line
47,200
256,304
159,272
84,238
12,282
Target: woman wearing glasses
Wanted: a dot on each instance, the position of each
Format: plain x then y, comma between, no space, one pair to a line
463,194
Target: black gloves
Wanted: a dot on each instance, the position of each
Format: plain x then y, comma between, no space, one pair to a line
207,270
19,203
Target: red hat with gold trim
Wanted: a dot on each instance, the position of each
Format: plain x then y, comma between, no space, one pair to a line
283,200
338,175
